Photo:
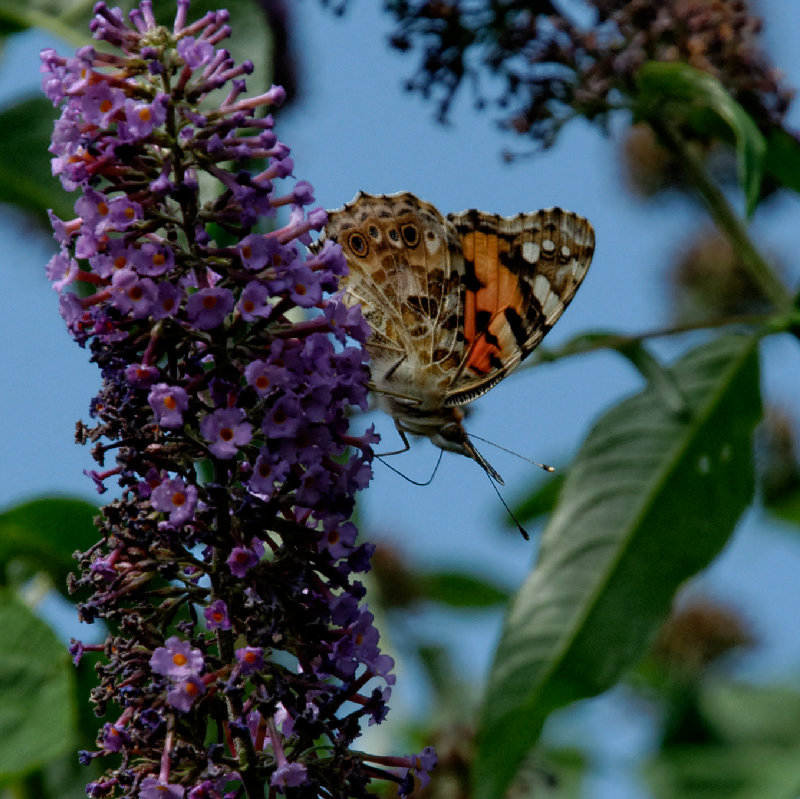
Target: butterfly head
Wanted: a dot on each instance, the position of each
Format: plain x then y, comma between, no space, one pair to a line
453,437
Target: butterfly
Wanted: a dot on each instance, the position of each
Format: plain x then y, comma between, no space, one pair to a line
455,302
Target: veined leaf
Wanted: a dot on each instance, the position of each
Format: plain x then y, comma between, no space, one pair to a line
651,498
37,714
44,533
26,179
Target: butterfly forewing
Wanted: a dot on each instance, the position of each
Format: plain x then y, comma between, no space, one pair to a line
521,273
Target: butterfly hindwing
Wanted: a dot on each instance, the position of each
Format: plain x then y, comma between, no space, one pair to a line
405,268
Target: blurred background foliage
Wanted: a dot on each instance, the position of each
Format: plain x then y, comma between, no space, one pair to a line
654,492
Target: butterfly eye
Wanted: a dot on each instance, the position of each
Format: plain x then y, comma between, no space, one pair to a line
358,244
410,235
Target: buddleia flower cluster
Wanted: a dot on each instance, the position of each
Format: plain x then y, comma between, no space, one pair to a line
551,62
240,656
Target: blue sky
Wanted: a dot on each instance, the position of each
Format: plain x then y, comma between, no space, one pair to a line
353,129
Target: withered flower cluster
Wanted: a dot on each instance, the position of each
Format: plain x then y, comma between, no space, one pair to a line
549,66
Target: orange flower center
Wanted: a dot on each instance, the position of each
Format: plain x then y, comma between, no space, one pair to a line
178,499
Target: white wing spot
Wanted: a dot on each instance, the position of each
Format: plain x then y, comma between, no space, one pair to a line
541,288
565,251
565,271
549,246
433,243
530,252
552,305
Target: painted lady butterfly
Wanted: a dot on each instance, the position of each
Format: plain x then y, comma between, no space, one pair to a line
455,303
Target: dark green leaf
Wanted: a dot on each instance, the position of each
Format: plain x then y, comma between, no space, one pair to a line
782,159
552,774
539,502
652,370
787,506
16,17
651,498
37,716
26,179
44,534
753,714
459,590
678,92
755,771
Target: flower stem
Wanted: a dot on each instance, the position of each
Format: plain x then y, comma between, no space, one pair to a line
724,215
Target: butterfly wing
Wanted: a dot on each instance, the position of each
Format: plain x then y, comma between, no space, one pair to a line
405,269
519,274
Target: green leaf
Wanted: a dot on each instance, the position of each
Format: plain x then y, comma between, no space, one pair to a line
37,714
538,502
755,771
16,17
45,533
755,732
459,590
652,370
651,498
760,714
678,92
786,507
782,160
26,179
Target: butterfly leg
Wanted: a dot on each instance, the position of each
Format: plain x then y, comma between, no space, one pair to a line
394,366
406,446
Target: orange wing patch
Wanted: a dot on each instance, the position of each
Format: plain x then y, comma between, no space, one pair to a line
491,289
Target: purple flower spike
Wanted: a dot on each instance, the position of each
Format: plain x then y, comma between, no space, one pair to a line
289,775
216,615
184,694
176,498
168,404
208,308
153,788
226,431
230,370
176,659
241,560
254,302
251,658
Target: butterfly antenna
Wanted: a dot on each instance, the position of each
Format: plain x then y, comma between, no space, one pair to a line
406,477
484,464
511,452
521,529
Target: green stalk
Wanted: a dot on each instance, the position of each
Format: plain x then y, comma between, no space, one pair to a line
724,216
